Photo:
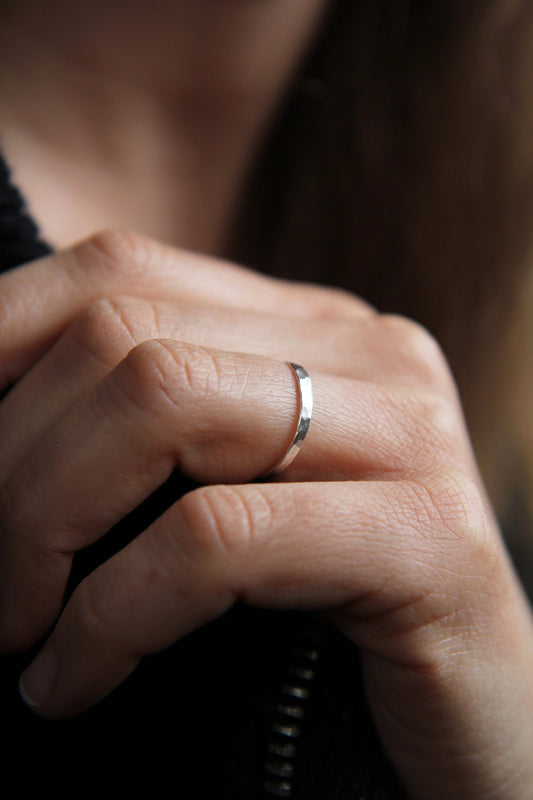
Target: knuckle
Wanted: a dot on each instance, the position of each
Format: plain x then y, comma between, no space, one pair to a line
196,371
110,327
225,520
89,609
143,376
458,518
157,374
414,342
102,332
117,252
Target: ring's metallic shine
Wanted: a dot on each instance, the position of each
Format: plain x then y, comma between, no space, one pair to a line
305,391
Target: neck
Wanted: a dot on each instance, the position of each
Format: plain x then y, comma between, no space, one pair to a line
153,125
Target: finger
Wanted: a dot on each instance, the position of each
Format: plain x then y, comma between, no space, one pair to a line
166,406
215,417
371,348
376,551
39,300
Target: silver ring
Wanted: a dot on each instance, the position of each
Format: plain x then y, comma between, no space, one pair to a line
305,393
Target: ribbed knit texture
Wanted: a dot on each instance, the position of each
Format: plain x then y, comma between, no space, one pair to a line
19,236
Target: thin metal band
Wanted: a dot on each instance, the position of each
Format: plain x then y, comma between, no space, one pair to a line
305,392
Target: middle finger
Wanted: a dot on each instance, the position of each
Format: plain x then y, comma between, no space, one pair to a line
365,348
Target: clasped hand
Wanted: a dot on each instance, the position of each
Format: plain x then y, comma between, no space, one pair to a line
130,360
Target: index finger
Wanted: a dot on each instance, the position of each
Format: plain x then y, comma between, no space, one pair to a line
39,300
341,545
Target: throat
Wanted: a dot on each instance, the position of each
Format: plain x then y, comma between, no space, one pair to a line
152,126
160,189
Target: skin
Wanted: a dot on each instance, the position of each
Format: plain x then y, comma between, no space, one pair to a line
161,358
160,137
142,348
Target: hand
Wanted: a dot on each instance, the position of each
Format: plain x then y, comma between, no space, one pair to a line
131,360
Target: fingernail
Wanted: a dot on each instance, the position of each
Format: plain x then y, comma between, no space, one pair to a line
35,684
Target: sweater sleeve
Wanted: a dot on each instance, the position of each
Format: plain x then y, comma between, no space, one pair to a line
19,235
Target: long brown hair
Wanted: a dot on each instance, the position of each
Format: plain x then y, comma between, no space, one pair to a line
401,168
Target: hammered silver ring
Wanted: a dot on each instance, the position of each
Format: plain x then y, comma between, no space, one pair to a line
305,395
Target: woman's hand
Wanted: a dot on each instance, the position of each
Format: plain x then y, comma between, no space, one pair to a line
131,360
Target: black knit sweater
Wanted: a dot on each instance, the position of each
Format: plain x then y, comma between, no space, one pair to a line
255,705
